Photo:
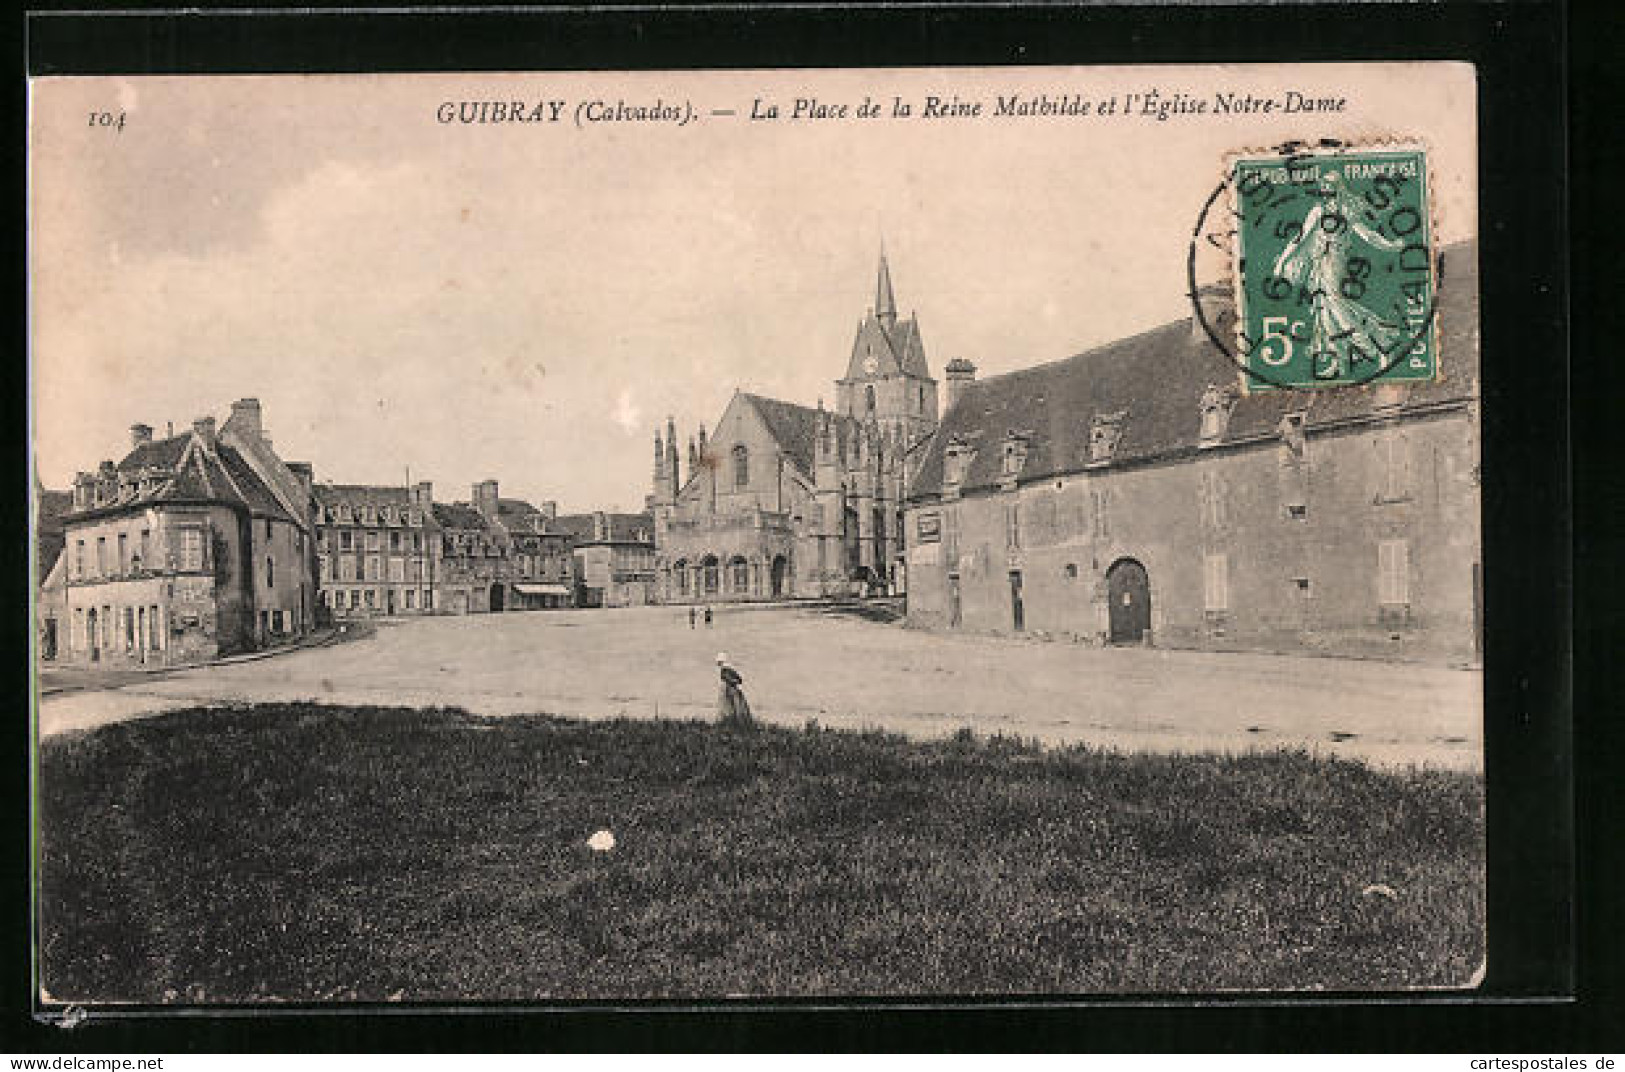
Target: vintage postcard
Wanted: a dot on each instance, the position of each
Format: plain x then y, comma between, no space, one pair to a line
756,534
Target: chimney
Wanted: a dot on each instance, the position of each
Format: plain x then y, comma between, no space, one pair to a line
245,417
960,374
82,484
140,434
423,495
600,526
203,428
485,498
550,510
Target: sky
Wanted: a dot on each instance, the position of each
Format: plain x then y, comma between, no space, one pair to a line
530,301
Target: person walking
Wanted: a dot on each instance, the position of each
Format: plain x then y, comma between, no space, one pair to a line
708,617
691,617
732,707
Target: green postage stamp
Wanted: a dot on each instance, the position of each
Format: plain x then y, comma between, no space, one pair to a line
1334,268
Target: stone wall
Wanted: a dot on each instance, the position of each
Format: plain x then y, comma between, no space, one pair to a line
1247,547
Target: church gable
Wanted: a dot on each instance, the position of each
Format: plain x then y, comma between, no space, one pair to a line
873,352
764,429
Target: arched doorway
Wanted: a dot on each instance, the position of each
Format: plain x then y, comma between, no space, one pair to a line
709,575
1128,595
498,592
780,574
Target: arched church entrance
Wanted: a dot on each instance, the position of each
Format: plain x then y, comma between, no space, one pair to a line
780,574
1128,594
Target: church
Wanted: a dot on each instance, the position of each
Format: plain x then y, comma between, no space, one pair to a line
783,500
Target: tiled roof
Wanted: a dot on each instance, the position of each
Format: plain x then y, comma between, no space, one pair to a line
520,516
623,528
795,428
159,453
374,495
459,516
1156,381
910,347
48,541
360,497
195,475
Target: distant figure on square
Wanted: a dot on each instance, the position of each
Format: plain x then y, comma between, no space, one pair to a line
708,617
691,617
732,707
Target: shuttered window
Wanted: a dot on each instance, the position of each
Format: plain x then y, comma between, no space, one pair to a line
1216,582
1393,572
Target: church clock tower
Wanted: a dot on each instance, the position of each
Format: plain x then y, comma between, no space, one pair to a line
887,378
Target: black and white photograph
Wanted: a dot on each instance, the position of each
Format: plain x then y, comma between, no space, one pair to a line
756,534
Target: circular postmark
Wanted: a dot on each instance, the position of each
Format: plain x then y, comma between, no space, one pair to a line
1322,260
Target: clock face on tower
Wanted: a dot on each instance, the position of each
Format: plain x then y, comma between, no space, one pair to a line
871,364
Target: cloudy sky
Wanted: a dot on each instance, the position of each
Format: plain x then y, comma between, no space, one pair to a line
528,301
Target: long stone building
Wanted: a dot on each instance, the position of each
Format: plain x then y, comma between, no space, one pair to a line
1132,494
786,500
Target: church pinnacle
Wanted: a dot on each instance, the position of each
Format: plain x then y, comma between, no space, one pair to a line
885,304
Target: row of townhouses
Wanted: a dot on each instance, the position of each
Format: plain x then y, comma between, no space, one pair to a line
207,543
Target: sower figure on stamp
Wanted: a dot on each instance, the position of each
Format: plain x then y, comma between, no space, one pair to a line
732,707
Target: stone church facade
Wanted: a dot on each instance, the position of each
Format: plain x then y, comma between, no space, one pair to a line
783,500
1133,495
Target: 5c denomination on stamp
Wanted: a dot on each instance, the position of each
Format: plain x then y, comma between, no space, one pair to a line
1333,267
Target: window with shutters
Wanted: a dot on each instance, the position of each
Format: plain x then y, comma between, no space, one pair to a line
1393,573
1393,464
1216,586
191,549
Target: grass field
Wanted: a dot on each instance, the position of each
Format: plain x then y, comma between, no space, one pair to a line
306,853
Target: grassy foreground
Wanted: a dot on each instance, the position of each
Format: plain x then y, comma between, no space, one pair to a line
298,852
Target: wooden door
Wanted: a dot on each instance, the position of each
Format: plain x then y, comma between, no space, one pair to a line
1129,594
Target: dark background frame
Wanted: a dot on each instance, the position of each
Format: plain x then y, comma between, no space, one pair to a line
1536,966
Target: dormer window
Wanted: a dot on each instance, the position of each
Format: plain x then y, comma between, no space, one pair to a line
1105,431
1292,432
956,459
1216,404
1015,454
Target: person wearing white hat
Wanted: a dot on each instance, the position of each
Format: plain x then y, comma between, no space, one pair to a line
732,707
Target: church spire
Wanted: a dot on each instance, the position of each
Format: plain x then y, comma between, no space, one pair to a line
885,304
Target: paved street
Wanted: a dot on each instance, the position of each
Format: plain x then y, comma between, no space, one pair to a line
802,663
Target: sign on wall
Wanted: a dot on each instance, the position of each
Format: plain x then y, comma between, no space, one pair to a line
929,528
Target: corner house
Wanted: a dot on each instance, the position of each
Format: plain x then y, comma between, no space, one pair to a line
192,547
1133,495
